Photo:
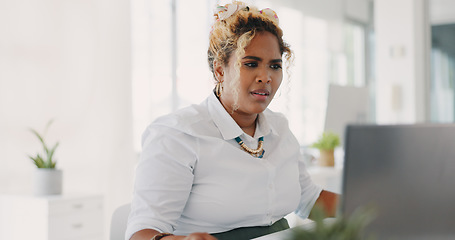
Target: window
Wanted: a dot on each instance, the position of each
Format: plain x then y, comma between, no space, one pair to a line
169,57
442,73
170,71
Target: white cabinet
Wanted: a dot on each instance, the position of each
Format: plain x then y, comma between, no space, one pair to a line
51,217
329,178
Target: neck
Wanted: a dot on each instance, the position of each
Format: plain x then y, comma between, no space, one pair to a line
246,122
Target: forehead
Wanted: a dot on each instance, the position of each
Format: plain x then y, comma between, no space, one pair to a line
264,44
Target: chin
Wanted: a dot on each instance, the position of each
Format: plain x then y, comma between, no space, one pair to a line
258,110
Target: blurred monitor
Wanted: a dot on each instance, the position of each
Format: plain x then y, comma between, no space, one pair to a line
346,105
405,172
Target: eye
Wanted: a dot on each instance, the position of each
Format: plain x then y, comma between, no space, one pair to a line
275,66
251,64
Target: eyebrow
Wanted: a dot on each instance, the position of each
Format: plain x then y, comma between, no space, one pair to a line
260,59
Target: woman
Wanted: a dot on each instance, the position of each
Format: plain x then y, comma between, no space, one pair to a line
228,168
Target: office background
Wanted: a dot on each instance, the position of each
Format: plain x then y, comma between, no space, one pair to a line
104,69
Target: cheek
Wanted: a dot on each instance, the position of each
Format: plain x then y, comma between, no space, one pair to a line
228,81
277,81
246,80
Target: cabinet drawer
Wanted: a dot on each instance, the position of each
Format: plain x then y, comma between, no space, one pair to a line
74,206
97,237
76,225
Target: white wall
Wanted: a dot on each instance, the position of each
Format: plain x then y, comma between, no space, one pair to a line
67,60
442,11
70,60
358,10
401,29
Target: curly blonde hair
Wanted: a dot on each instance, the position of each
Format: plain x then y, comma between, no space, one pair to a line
233,34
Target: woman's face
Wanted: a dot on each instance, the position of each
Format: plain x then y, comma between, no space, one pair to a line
260,75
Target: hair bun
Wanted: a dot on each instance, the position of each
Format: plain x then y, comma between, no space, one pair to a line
223,12
269,13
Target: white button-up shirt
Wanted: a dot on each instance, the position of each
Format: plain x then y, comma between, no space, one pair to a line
194,177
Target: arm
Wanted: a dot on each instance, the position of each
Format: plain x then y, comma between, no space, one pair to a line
163,181
147,234
328,201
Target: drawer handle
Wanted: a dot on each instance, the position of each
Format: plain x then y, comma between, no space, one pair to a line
77,206
78,225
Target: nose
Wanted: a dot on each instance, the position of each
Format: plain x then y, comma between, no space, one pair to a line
264,75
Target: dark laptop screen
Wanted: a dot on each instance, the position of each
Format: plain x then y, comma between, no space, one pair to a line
407,172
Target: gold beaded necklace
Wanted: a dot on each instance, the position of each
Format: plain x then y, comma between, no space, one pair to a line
258,153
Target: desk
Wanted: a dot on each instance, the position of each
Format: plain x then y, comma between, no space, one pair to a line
329,178
285,233
58,217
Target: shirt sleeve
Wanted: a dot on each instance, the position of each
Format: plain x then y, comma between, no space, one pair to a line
309,191
164,176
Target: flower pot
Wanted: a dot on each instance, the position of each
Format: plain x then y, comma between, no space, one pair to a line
47,181
326,158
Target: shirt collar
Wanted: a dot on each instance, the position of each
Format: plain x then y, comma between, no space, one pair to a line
263,128
226,124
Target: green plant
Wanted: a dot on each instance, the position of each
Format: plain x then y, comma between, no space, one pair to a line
327,141
341,228
45,160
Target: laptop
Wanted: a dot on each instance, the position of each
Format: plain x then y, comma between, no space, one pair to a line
407,174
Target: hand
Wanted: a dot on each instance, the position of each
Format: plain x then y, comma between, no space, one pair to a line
196,236
146,234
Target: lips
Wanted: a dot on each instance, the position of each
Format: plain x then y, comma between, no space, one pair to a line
260,93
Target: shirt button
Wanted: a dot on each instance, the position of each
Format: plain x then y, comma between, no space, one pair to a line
271,186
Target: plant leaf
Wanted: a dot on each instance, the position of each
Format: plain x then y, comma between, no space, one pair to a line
38,160
48,125
327,141
50,154
47,162
343,228
41,139
37,135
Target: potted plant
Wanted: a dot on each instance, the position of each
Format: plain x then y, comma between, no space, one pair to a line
47,179
340,228
326,144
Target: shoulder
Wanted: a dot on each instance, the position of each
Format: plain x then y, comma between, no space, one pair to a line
182,117
278,123
275,119
192,120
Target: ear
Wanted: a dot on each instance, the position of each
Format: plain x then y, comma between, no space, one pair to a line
218,70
